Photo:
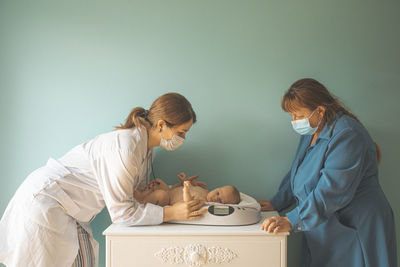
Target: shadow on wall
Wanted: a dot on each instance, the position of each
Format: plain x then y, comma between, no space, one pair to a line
390,147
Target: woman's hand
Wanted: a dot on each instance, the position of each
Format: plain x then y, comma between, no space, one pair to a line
191,179
184,211
276,224
266,205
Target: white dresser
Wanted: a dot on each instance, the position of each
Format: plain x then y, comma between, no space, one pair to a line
177,245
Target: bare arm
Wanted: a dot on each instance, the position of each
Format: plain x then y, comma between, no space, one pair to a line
183,178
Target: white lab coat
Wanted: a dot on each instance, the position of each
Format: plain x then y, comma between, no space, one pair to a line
38,228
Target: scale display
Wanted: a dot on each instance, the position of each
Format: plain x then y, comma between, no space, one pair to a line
220,210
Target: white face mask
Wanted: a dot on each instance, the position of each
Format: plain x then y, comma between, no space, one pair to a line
303,126
173,143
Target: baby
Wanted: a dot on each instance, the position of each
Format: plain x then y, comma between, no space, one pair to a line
159,193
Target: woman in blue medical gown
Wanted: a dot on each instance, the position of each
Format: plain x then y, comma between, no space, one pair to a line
333,184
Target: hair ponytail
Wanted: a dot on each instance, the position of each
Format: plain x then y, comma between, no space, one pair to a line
137,117
173,108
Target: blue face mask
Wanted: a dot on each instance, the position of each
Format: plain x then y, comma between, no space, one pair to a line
303,126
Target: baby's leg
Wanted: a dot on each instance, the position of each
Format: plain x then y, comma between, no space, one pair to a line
186,191
158,197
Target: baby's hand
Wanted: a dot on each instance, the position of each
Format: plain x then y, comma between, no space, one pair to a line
196,183
183,178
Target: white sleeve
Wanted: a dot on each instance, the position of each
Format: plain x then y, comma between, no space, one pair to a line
117,174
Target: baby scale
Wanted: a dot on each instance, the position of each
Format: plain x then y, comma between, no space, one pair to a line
245,213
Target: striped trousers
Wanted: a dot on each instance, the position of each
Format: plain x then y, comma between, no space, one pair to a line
85,257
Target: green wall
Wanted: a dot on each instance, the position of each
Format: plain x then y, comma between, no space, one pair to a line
70,70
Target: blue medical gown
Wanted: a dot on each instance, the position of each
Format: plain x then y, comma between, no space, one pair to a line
341,208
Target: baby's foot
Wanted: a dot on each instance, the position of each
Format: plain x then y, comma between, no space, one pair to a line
186,191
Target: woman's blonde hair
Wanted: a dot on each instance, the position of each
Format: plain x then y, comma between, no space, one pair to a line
173,108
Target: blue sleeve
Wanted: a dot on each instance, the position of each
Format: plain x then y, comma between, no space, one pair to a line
284,198
340,177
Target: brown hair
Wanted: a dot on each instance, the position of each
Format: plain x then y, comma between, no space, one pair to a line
310,93
173,108
378,153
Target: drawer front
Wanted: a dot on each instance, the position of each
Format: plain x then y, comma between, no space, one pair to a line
187,251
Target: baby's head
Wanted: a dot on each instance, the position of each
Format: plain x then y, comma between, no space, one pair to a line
227,194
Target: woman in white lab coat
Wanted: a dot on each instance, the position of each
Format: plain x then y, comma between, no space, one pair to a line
48,219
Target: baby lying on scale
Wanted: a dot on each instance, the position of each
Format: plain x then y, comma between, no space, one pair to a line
159,193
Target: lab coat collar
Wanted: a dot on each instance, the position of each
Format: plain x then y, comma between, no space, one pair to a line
144,136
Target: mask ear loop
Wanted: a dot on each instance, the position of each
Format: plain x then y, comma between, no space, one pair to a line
312,113
168,129
316,128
